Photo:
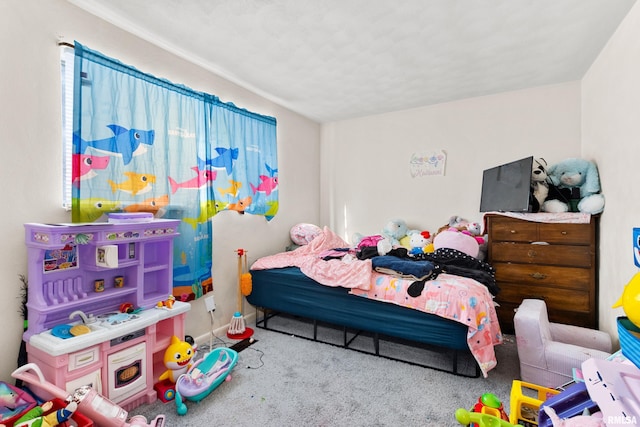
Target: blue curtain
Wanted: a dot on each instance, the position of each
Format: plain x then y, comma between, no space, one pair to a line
144,144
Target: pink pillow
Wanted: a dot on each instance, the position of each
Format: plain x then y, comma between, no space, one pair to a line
454,239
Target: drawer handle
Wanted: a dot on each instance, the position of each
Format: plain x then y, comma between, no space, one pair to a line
513,231
539,276
531,253
564,233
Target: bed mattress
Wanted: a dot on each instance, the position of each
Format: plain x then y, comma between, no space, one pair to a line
290,291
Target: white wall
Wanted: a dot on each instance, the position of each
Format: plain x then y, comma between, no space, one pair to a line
30,165
366,179
611,134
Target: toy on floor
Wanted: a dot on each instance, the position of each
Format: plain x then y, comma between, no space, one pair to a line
36,417
177,359
525,401
204,376
585,420
489,403
13,402
95,406
465,418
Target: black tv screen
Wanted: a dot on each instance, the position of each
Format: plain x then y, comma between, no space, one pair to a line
506,188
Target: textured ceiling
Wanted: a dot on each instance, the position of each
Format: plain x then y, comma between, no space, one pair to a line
338,59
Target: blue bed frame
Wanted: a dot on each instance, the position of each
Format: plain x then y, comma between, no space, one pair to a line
288,291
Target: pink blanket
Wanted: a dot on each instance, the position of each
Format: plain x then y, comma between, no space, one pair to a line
348,272
452,297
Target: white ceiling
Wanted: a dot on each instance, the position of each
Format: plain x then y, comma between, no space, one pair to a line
338,59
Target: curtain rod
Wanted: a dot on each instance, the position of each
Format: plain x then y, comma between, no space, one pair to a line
71,45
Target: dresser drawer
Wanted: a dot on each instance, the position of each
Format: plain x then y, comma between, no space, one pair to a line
556,298
543,275
514,230
575,256
565,234
506,311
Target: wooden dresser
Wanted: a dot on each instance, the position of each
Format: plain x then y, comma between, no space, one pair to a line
556,262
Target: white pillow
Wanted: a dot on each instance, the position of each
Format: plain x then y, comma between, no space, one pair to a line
303,233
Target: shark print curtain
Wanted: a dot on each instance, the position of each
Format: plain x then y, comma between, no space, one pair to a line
143,144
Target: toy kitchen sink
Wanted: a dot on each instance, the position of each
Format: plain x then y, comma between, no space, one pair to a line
81,277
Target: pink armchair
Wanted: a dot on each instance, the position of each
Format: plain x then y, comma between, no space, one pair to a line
548,351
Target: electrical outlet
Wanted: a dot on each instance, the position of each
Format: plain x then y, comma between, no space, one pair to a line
210,303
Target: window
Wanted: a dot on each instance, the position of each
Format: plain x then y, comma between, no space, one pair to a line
133,143
66,78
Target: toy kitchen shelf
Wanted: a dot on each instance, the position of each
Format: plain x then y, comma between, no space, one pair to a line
95,268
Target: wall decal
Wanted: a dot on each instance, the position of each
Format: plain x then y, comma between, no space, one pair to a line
427,163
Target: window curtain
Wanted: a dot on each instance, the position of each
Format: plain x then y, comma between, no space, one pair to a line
144,144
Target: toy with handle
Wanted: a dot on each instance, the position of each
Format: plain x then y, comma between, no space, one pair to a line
465,418
237,328
98,408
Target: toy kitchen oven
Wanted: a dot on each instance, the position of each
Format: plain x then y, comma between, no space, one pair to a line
93,306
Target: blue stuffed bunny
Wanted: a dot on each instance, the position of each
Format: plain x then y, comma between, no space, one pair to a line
579,181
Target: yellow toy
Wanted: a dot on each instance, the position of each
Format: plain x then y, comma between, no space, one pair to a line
525,400
630,300
177,359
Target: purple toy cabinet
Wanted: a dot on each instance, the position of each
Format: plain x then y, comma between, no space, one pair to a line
95,268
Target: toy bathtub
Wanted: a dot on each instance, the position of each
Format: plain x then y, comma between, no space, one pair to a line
204,376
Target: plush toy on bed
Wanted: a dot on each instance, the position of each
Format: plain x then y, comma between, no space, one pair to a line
580,180
453,238
395,230
419,242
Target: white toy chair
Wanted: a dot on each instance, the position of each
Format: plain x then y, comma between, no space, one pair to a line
548,351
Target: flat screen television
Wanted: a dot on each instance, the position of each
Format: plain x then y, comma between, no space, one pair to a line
506,188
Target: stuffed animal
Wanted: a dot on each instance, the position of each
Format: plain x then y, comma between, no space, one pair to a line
539,184
177,359
395,230
419,240
475,229
584,420
579,185
455,239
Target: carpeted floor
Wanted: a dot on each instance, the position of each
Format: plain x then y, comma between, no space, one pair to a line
283,380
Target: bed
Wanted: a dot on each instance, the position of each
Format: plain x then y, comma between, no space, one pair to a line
324,282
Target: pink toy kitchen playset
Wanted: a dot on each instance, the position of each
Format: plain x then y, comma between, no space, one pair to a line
94,317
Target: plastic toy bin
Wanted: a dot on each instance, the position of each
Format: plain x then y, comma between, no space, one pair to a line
629,335
77,419
525,400
569,403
